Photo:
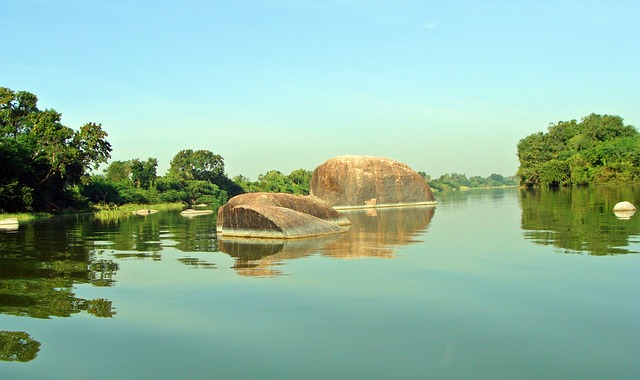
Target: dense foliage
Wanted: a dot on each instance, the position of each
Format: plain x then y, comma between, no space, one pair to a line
296,182
193,178
47,166
455,181
43,161
600,149
576,220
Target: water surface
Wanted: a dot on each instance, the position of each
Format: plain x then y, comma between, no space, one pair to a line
489,284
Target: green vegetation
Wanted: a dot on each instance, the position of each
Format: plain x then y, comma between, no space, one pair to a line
297,182
455,181
43,161
26,217
47,166
113,212
597,150
577,220
194,177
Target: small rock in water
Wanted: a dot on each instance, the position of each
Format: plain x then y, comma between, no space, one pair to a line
624,210
624,206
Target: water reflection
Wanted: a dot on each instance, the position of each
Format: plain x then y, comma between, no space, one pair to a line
580,220
146,237
257,257
373,233
18,346
40,264
624,215
378,232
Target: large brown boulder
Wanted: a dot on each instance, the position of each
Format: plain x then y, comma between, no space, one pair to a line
365,181
277,215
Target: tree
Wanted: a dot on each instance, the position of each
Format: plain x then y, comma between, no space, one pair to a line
118,172
205,192
599,149
299,181
143,173
199,165
202,165
43,159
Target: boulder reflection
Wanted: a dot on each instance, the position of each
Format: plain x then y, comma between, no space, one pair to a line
378,232
373,233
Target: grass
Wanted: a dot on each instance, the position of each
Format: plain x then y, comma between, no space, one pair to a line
107,212
26,217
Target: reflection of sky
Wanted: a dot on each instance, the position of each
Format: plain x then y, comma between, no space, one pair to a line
471,298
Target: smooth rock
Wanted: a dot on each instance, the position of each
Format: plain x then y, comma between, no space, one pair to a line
277,215
624,215
365,181
9,221
145,211
9,224
624,206
191,212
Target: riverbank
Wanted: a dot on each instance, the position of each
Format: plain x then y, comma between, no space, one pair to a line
107,212
100,211
26,217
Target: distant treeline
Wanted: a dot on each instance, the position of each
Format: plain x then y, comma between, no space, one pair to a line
455,181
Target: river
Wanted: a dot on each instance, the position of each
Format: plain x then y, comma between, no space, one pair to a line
501,283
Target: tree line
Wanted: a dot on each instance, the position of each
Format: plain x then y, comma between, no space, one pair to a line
457,181
599,149
47,166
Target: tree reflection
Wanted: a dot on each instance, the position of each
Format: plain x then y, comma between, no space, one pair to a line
39,266
145,237
373,233
17,346
579,220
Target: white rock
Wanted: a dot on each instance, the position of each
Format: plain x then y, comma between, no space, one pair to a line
624,206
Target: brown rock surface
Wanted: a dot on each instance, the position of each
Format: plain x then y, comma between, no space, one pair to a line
365,181
277,215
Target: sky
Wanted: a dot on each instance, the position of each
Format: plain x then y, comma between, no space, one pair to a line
443,86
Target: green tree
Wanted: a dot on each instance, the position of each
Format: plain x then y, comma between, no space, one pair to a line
199,165
143,173
118,172
205,192
44,160
202,165
599,149
101,190
299,181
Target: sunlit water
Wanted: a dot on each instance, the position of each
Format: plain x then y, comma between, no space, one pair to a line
489,284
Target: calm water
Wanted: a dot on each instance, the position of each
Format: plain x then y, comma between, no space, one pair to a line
489,284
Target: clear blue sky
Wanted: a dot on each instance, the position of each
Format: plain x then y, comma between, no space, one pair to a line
444,86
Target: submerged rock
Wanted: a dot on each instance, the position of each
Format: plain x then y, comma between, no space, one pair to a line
365,181
277,215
